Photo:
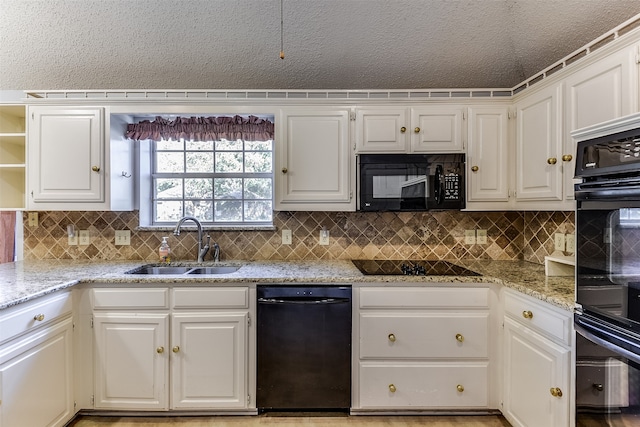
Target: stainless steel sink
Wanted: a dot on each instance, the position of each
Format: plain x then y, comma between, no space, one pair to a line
152,270
214,270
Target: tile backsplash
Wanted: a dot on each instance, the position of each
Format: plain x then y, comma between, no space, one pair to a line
353,235
539,230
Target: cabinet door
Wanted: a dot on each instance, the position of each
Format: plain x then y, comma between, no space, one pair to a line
538,139
36,379
533,368
487,164
314,161
437,129
66,155
600,92
131,361
382,130
209,360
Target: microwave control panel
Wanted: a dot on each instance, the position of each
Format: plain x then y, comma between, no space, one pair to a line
452,186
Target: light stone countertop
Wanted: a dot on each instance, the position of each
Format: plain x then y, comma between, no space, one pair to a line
25,280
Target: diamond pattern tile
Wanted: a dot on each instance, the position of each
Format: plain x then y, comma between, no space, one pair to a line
539,230
353,235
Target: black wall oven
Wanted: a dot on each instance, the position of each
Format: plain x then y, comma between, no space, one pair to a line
607,318
411,182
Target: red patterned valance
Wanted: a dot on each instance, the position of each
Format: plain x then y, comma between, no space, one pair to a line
247,128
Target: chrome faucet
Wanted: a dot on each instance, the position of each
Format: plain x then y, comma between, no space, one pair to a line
202,250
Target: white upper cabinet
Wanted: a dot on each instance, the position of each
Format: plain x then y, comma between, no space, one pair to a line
381,130
604,87
487,155
436,128
602,91
70,165
539,145
314,160
66,155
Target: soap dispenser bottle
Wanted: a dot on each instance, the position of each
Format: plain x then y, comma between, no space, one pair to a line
164,251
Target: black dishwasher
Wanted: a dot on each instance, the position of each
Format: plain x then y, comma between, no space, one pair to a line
304,347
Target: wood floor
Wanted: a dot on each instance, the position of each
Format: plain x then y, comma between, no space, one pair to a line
294,421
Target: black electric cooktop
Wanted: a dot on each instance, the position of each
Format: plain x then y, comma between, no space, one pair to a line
411,268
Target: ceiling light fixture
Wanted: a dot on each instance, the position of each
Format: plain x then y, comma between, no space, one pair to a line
281,32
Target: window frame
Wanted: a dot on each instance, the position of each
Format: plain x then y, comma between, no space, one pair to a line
146,168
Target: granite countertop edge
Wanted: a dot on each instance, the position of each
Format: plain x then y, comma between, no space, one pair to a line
26,280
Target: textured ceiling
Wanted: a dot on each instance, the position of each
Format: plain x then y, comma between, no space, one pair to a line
329,44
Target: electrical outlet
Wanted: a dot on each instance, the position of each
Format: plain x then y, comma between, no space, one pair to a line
481,237
559,242
123,237
33,219
83,238
73,240
286,237
324,237
570,242
469,237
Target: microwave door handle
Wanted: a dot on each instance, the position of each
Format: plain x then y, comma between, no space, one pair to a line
438,185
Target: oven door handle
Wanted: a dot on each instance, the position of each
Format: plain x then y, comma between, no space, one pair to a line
591,192
606,344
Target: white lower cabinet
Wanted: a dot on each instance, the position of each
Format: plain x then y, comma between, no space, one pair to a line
209,360
415,385
36,374
131,360
423,348
165,349
537,363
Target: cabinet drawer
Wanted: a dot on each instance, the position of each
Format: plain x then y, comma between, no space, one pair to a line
419,335
24,317
211,298
435,297
130,298
423,386
536,315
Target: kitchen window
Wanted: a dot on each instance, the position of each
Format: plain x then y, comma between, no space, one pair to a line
217,169
218,182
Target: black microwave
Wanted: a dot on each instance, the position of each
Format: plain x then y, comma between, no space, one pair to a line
411,182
